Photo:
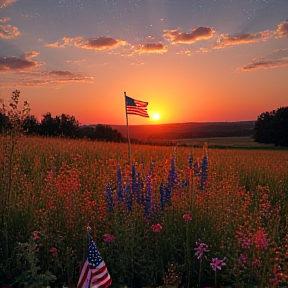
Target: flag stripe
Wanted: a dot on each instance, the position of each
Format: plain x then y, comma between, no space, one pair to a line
138,113
94,273
85,276
136,107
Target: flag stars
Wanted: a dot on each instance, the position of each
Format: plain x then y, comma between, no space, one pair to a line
94,257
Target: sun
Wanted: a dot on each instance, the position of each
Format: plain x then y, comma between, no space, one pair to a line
156,116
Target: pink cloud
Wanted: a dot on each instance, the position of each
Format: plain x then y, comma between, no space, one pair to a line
151,48
200,33
100,43
23,63
3,20
283,29
62,44
278,58
5,3
244,38
8,31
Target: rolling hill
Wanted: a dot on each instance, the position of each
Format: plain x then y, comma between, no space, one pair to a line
188,130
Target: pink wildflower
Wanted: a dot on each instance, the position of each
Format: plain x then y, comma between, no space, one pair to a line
202,247
35,235
242,260
245,242
260,239
217,263
54,251
256,262
187,217
156,228
108,238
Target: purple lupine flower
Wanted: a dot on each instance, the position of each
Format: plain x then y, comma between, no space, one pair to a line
148,198
217,263
128,196
162,196
119,184
109,198
204,170
190,161
202,247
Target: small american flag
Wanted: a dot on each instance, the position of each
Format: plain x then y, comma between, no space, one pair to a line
136,107
94,273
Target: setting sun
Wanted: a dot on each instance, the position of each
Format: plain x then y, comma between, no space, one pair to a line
156,116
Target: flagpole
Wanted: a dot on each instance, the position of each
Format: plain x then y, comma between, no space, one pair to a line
128,136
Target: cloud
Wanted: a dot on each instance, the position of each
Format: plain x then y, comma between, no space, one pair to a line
150,48
18,71
244,38
200,33
278,58
282,30
100,43
3,20
8,31
42,78
5,3
64,76
62,44
23,63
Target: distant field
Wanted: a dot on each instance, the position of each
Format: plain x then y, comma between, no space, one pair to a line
222,142
192,130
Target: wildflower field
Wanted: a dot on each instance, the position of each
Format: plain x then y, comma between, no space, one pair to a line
209,216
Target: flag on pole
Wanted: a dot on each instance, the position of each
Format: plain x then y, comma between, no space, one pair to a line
136,107
94,273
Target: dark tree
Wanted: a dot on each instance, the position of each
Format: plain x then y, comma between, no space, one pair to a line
30,125
271,127
68,126
49,125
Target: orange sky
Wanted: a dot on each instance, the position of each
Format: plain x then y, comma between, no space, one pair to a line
193,61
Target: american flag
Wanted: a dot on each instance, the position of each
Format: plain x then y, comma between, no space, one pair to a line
136,107
94,273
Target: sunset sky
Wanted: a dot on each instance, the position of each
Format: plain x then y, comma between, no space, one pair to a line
192,60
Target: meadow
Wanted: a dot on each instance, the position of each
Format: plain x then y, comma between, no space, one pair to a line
211,217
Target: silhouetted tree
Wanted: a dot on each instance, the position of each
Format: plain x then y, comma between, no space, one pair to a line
271,127
68,126
30,125
48,125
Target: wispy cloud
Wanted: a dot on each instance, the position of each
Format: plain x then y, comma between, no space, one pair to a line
42,78
100,43
61,44
5,3
200,33
278,58
150,48
3,20
8,31
21,71
244,38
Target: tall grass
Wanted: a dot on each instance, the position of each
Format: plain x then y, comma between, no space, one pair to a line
58,187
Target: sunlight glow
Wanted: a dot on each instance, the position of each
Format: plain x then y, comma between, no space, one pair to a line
156,116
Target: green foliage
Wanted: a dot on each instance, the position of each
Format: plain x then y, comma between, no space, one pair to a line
29,268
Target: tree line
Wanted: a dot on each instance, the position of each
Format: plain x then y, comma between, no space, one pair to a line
60,126
272,127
